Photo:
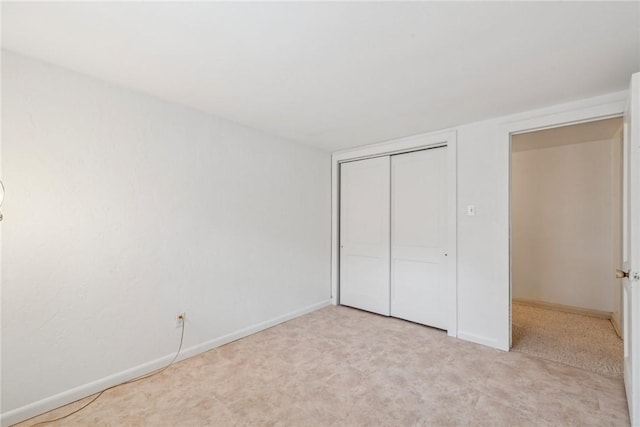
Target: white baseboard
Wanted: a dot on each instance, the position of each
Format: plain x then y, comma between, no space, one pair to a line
479,339
566,308
225,339
47,404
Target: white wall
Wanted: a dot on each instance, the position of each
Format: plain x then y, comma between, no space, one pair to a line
563,224
122,211
483,239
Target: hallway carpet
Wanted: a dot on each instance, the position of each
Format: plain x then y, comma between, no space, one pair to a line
585,342
343,367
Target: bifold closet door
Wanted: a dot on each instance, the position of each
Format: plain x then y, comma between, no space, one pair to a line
364,234
419,236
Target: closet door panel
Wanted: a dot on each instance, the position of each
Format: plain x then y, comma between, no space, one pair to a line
365,234
418,233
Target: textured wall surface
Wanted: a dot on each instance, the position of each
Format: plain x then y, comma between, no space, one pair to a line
123,210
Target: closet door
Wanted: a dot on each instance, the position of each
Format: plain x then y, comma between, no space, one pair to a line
364,234
418,233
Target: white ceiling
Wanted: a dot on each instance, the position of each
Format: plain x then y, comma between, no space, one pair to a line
337,75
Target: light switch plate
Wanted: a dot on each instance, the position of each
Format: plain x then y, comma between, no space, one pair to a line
471,210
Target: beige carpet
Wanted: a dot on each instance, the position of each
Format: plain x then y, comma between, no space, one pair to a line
343,367
584,342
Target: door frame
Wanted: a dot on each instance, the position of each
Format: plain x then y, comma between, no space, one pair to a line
398,146
549,121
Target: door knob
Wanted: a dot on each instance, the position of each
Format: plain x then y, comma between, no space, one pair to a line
621,274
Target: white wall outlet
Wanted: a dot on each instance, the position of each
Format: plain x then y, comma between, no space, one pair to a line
471,210
180,320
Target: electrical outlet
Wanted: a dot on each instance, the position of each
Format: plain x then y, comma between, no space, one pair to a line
180,320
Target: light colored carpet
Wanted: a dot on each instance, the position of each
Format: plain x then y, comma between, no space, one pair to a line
343,367
585,342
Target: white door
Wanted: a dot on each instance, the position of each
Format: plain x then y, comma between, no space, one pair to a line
364,234
631,249
419,237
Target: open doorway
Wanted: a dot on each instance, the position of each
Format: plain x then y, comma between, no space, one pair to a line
566,240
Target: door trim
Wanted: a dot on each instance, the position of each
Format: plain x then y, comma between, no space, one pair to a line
398,146
505,132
